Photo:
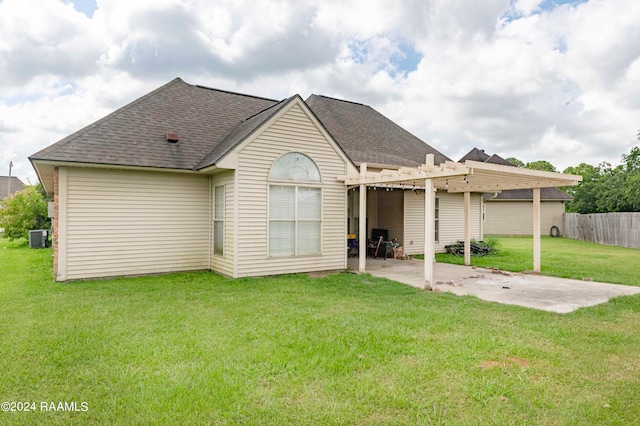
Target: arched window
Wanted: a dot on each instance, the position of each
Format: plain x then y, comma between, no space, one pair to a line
294,167
295,206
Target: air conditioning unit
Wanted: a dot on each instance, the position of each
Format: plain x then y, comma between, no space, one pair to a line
38,238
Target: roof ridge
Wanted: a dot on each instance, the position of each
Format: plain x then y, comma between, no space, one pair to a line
341,100
269,107
199,86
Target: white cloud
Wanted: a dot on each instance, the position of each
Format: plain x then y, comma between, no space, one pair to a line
518,78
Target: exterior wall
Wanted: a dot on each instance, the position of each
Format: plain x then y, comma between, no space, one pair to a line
224,264
516,217
452,218
128,223
413,222
389,207
451,222
56,219
293,132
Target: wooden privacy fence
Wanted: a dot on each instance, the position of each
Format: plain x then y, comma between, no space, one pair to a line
616,229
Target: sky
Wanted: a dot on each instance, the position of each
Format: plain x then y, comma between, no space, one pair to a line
555,80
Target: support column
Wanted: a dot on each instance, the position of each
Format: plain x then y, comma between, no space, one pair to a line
362,223
536,230
429,233
467,227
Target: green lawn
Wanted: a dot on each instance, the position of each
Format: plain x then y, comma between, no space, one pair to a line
562,257
195,348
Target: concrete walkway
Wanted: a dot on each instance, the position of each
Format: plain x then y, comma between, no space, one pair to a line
533,291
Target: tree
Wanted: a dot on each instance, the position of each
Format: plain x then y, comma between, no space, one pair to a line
25,210
632,185
611,195
584,194
606,188
543,165
515,162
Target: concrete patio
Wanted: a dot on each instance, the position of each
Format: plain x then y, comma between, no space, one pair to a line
533,291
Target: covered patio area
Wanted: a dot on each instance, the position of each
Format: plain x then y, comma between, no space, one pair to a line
529,290
462,178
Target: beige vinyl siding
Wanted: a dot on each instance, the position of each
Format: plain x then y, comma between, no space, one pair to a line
516,217
293,132
224,264
413,222
451,220
389,206
125,223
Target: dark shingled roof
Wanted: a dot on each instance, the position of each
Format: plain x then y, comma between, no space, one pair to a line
241,131
513,194
16,185
527,194
475,155
496,159
210,123
479,155
135,135
368,136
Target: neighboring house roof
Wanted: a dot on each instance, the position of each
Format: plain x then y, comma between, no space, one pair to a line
496,159
475,155
135,135
546,194
16,185
367,136
479,155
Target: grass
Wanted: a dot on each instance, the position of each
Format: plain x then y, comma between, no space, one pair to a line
562,257
196,348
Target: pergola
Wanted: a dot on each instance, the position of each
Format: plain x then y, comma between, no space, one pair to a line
467,177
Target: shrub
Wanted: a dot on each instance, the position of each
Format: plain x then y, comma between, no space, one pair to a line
25,210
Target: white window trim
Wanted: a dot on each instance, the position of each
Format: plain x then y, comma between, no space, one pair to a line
436,215
220,220
296,184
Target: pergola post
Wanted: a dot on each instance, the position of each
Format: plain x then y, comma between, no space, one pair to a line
362,223
467,227
536,230
429,233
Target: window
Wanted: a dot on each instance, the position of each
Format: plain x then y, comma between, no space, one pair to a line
437,219
218,221
295,206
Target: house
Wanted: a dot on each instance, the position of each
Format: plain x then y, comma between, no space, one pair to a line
509,212
10,185
193,178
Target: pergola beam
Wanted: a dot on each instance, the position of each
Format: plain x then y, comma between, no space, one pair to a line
406,174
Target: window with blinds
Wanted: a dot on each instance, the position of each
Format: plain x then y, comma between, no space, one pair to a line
218,221
437,220
295,207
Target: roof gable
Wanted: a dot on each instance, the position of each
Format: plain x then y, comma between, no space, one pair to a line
247,131
368,136
240,133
